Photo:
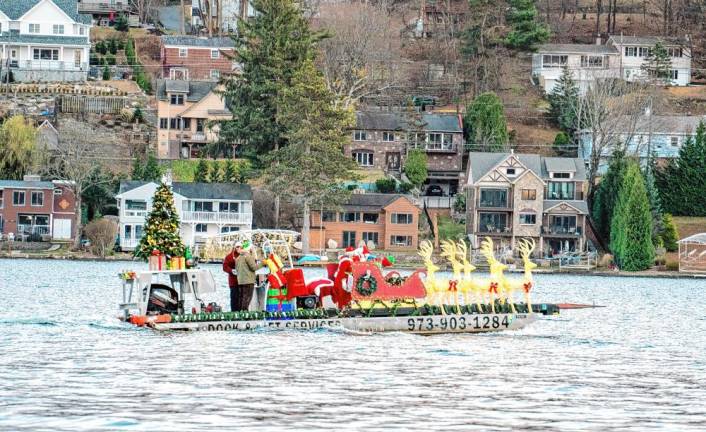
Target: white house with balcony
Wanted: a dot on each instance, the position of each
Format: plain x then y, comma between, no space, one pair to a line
44,40
622,57
205,210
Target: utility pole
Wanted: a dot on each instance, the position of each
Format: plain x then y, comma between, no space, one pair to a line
181,13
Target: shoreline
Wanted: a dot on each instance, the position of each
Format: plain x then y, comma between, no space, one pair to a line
576,272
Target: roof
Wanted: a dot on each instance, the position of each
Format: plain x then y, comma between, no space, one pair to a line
200,42
26,184
214,191
7,37
480,163
579,205
699,238
646,40
371,201
656,124
577,49
196,90
14,9
380,120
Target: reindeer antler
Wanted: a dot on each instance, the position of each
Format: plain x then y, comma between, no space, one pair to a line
462,250
448,250
426,250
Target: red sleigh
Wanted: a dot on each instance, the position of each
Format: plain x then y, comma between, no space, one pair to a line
412,287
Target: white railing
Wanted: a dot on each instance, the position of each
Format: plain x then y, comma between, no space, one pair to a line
439,201
33,229
129,243
136,213
216,217
52,65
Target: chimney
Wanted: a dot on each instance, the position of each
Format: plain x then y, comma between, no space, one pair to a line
32,177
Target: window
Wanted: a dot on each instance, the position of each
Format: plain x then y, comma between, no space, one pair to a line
201,228
34,28
434,141
561,175
225,207
215,54
203,206
592,61
554,61
643,52
348,238
363,158
183,52
674,74
37,198
401,218
18,198
174,123
45,54
163,123
215,74
371,218
560,190
448,143
176,99
630,51
675,141
58,29
492,222
199,125
135,205
186,123
81,30
1,200
58,191
400,240
675,52
360,135
415,139
493,198
510,172
528,219
370,237
562,224
388,136
227,229
328,216
350,217
128,232
529,194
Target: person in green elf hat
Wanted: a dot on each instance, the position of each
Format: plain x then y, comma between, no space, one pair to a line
245,266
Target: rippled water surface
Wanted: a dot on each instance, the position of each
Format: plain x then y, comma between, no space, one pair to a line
66,363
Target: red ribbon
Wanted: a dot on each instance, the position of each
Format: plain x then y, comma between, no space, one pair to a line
453,285
493,287
527,287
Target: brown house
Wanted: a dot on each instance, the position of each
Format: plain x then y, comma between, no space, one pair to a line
387,221
382,140
197,58
37,210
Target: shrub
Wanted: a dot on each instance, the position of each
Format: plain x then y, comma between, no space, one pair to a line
121,23
138,115
449,229
606,261
94,60
110,59
385,185
106,73
112,46
101,48
660,260
460,203
406,187
669,235
415,167
672,265
101,233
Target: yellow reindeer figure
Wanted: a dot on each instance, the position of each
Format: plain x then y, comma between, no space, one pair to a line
449,252
468,285
526,247
495,284
431,284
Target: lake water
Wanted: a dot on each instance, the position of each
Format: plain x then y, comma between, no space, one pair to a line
67,363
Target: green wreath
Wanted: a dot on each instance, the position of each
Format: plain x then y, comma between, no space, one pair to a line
372,285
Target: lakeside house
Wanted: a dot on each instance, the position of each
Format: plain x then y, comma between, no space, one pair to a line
32,209
44,40
657,135
188,112
621,57
197,58
385,221
382,140
205,210
512,196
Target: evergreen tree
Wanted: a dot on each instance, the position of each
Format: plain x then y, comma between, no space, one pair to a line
161,231
152,171
217,174
485,124
655,203
415,167
658,64
230,174
526,30
203,173
312,165
562,145
669,234
682,183
563,101
272,46
137,169
606,196
631,225
106,73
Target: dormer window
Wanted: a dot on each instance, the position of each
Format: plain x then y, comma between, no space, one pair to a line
176,99
510,172
561,175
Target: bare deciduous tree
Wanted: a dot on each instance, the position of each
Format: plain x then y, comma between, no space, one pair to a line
101,233
143,8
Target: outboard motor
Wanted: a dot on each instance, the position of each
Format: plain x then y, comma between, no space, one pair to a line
163,300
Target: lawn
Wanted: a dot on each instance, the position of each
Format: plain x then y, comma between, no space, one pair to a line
687,226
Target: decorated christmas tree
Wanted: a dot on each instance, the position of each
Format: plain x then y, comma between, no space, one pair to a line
162,229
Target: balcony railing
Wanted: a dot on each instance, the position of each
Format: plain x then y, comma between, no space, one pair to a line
493,204
561,230
33,229
136,213
216,217
49,65
129,243
106,6
496,230
198,137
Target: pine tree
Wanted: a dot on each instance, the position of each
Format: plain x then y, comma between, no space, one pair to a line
216,171
526,30
669,234
230,174
485,124
106,73
658,64
682,183
161,231
151,171
655,203
272,46
563,101
203,173
631,225
606,196
562,145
